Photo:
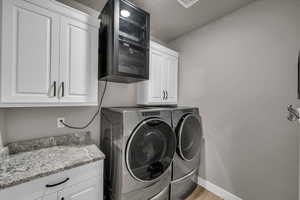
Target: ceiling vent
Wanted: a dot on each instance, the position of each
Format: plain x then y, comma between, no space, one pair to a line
187,3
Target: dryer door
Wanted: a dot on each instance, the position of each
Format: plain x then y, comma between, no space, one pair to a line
189,133
150,150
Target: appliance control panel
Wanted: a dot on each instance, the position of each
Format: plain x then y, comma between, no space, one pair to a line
151,114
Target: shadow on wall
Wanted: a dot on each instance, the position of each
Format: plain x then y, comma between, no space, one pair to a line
202,169
244,67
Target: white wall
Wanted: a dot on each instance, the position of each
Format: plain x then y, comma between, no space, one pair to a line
2,127
28,123
241,71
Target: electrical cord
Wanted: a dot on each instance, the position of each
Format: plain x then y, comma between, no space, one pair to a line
94,116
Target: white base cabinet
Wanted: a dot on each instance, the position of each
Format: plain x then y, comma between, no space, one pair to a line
49,55
87,190
161,88
48,197
84,183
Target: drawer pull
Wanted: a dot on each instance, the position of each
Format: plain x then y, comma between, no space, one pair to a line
62,89
56,184
54,88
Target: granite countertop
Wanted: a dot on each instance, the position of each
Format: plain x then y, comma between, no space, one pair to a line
37,158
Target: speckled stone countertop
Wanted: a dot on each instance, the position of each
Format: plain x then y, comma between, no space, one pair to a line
46,156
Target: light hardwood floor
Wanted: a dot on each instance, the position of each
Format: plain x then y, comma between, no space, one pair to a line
202,194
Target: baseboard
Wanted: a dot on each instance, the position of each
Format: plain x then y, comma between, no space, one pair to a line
217,190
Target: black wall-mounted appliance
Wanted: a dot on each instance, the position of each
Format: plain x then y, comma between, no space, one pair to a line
124,43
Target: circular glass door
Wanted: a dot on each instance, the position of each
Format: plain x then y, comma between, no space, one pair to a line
189,134
150,150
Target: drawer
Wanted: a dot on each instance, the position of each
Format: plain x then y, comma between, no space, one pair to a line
89,190
163,195
148,192
184,187
37,188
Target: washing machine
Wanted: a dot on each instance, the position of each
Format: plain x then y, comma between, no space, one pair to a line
139,145
186,123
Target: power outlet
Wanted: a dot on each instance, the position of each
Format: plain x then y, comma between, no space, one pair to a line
59,124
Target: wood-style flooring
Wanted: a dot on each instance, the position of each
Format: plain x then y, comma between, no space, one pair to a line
202,194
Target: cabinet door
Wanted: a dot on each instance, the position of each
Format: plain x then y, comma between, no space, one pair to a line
79,62
161,88
156,76
170,78
87,190
29,196
30,56
48,197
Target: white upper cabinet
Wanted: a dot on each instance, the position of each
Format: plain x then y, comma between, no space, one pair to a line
49,55
171,80
30,52
161,88
79,55
156,75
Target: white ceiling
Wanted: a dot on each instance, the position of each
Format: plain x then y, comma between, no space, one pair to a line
170,20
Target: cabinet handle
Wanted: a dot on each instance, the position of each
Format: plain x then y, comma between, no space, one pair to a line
164,95
62,89
167,94
54,88
56,184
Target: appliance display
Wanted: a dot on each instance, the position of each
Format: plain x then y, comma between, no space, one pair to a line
124,43
186,123
139,144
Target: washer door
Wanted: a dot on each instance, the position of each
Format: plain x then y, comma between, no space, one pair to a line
189,135
150,150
